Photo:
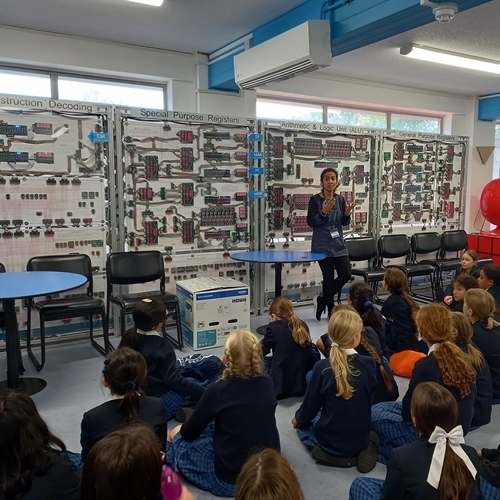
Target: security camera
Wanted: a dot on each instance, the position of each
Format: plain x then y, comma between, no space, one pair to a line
444,12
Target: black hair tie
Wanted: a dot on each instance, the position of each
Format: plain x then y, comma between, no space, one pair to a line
130,384
106,368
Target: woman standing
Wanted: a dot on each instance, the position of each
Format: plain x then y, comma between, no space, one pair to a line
327,213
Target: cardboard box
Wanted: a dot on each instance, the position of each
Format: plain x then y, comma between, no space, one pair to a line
212,308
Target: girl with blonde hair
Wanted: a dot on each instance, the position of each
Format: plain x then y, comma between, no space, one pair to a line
233,418
445,364
479,307
294,353
463,338
334,419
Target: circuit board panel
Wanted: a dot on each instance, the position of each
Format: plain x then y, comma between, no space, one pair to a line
186,194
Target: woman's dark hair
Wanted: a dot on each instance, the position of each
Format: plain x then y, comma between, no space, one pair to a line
25,444
147,314
125,371
361,296
433,405
124,465
327,171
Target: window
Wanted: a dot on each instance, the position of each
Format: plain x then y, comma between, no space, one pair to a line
31,84
78,89
356,117
289,111
416,123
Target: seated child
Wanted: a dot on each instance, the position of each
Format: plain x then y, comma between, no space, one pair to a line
266,475
489,280
235,417
445,364
490,470
125,465
460,285
165,379
479,307
34,464
294,353
484,388
400,311
124,375
334,419
437,466
469,267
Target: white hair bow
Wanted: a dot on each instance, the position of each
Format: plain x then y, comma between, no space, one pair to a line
454,438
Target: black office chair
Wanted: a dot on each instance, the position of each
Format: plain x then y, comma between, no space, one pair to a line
365,249
51,309
425,243
128,268
395,246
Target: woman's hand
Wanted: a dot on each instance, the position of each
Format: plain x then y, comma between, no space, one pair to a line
328,204
349,207
448,300
295,423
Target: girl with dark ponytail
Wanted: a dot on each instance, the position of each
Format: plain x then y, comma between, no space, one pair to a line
437,466
124,374
294,353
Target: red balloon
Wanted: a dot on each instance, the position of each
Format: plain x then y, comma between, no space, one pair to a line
490,202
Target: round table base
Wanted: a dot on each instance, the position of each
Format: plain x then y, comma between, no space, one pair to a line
261,330
27,385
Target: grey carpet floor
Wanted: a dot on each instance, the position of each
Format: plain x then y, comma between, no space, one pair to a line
73,375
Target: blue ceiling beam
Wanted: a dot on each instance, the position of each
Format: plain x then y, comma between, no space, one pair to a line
489,108
354,24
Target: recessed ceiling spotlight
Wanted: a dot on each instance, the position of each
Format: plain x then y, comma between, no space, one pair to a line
450,58
153,3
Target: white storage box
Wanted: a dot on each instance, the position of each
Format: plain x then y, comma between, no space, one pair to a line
212,308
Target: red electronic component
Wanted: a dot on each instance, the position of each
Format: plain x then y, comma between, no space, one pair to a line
338,149
187,159
152,168
151,232
301,201
145,194
299,224
185,136
242,212
187,194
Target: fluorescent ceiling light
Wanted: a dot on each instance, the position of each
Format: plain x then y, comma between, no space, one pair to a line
154,3
450,58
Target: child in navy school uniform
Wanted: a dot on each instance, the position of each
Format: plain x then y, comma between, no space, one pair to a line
484,390
461,284
400,311
445,364
479,307
294,353
334,419
234,418
177,383
372,340
437,466
469,267
489,280
124,374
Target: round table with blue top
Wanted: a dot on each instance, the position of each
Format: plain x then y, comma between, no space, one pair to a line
278,258
21,285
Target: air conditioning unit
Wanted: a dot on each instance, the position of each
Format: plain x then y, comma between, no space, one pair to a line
300,50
